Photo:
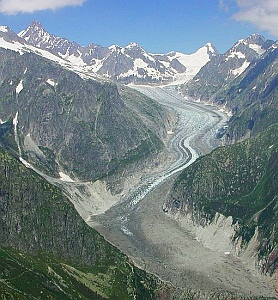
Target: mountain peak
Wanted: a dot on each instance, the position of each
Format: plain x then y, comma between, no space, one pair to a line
132,45
211,49
9,36
34,30
36,24
4,29
115,48
255,38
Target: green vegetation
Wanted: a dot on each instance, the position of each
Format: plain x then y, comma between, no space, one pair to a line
239,181
43,277
48,252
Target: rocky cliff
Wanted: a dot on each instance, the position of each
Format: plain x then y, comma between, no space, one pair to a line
252,97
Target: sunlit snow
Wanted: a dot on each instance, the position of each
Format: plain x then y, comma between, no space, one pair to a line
193,62
241,69
51,82
4,28
76,60
139,63
257,48
19,88
236,54
15,46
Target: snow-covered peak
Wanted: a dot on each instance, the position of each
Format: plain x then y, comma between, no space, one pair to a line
4,28
115,48
211,49
245,48
35,32
5,31
9,39
253,39
132,45
135,48
33,27
191,62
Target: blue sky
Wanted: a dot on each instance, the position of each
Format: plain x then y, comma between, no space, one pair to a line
159,26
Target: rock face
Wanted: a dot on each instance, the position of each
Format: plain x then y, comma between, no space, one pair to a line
52,252
238,181
80,126
130,64
252,97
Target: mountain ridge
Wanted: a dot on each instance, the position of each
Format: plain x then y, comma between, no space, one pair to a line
124,64
222,69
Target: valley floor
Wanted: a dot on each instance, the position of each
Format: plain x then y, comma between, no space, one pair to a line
156,242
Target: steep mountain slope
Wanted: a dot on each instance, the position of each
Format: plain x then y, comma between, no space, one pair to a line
239,181
83,126
252,97
130,64
47,250
223,68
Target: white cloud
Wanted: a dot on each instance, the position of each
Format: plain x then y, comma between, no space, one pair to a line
22,6
261,13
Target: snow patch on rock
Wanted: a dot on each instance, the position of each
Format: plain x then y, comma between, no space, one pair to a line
240,70
19,87
51,82
4,28
257,48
